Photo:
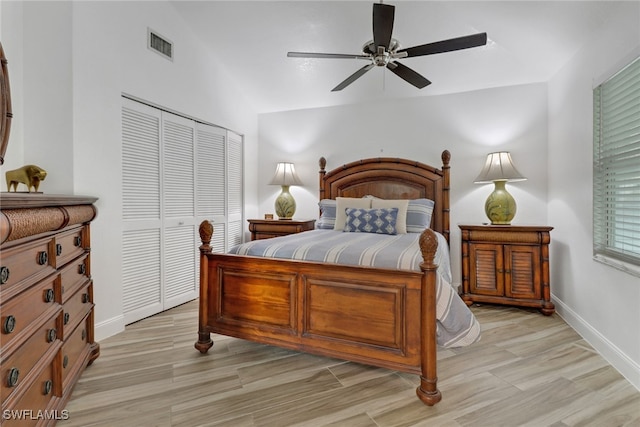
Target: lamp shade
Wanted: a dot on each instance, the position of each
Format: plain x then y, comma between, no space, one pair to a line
285,175
499,167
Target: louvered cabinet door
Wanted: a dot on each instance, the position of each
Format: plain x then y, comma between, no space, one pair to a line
486,263
211,187
522,271
178,213
141,211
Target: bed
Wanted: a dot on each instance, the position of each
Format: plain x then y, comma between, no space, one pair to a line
380,316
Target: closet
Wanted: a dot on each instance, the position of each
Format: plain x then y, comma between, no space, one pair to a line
176,172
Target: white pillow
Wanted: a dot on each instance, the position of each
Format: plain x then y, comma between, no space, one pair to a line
402,205
342,203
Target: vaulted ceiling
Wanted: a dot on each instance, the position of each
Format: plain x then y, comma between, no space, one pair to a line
528,41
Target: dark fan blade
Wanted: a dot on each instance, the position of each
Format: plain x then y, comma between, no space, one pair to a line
382,24
459,43
408,74
326,55
353,77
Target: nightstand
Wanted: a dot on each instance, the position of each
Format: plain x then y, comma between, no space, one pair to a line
268,228
506,264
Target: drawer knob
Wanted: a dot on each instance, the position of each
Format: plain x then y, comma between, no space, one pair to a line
58,249
78,241
4,275
51,335
82,269
48,385
84,334
49,295
66,318
65,361
43,258
85,298
9,324
12,377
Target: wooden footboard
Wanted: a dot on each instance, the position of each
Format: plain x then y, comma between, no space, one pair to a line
379,317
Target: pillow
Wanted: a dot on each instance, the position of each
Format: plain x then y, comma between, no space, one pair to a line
379,221
400,204
327,218
343,203
419,214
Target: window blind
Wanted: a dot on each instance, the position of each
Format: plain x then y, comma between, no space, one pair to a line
616,166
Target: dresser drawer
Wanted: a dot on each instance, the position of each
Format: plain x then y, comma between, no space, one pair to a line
20,312
74,349
16,367
76,308
26,264
74,276
69,245
28,410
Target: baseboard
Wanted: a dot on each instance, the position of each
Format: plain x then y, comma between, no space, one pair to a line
612,354
109,327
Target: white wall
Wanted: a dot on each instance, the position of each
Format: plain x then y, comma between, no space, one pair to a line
79,58
600,302
469,125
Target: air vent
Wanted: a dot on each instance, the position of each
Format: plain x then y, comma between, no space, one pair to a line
159,44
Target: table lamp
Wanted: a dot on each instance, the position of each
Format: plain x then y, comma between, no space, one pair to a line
285,176
500,206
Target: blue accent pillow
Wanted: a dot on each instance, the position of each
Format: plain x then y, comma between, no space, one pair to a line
327,218
379,221
419,214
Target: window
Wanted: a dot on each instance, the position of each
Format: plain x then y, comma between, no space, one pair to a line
616,168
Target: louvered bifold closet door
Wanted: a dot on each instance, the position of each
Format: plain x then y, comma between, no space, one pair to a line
211,171
179,225
235,185
141,211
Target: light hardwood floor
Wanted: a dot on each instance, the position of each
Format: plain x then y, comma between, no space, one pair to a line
528,369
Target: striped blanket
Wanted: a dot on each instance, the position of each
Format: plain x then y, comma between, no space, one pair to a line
456,327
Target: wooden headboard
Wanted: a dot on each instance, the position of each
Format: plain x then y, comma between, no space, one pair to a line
390,178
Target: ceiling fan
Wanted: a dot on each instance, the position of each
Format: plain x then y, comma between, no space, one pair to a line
383,50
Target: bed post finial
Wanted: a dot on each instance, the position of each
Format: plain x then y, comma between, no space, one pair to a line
446,157
206,231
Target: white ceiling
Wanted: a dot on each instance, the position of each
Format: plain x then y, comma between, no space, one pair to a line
529,41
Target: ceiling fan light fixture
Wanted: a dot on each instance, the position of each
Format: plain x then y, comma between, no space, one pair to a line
383,50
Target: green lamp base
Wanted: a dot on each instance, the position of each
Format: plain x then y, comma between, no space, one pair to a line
285,204
500,206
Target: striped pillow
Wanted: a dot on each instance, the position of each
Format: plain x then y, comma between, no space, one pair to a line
419,214
327,220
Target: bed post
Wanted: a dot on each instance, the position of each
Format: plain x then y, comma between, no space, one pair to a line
204,342
322,163
446,158
428,390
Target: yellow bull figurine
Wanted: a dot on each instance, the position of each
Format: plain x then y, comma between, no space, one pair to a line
29,175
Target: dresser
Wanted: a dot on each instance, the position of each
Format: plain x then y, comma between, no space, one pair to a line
506,264
268,228
46,304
